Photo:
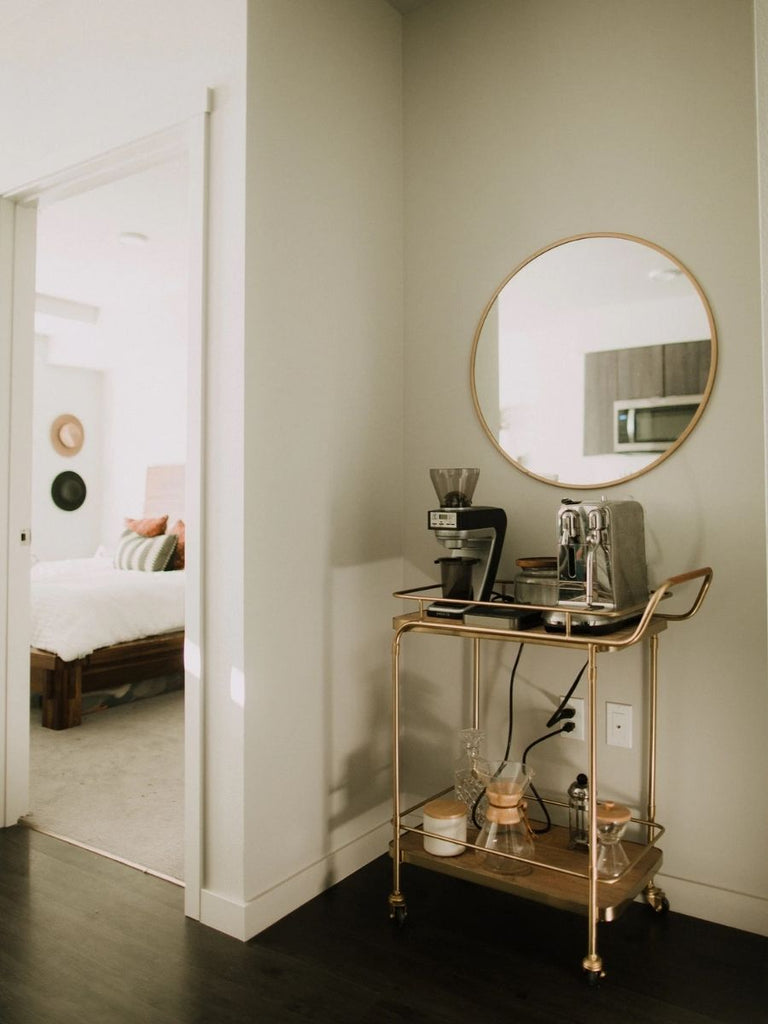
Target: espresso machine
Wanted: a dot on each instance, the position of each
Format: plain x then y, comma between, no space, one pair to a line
600,564
473,536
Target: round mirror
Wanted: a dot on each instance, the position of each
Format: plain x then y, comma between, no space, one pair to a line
67,434
593,360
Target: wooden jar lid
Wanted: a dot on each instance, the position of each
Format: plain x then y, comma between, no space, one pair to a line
539,562
612,813
445,809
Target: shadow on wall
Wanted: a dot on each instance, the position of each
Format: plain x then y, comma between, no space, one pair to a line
366,780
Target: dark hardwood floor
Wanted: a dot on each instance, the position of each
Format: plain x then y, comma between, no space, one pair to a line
83,939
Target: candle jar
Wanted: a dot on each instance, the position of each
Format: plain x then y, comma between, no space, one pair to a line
447,818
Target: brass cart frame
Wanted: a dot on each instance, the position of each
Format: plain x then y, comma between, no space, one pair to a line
562,882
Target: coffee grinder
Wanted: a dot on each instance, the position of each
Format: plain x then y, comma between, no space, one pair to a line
472,534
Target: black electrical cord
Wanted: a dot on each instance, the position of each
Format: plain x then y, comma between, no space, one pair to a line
512,675
511,702
568,727
559,714
561,710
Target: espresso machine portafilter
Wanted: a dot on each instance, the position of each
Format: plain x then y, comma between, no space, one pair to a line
473,535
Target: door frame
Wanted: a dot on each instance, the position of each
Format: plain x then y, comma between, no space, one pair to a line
17,263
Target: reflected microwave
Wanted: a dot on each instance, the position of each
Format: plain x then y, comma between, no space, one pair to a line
651,424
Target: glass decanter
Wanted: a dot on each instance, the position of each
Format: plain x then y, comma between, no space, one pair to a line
471,772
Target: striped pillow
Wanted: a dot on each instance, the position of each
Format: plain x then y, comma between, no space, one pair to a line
146,554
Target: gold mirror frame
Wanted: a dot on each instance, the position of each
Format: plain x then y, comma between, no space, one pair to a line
653,461
67,434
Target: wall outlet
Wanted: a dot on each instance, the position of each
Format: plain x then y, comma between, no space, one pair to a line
577,703
618,725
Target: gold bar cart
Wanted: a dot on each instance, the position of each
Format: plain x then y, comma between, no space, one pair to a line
559,878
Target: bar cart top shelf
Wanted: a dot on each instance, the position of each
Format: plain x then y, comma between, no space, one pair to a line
646,620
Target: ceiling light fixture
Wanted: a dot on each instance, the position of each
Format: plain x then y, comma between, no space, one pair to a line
132,238
665,274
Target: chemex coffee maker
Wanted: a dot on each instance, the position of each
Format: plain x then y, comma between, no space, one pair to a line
600,564
472,534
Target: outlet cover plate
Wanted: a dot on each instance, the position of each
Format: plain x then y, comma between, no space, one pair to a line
618,725
577,703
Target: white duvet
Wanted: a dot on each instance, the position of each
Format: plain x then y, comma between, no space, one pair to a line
81,604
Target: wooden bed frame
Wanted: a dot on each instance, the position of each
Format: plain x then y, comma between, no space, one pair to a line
63,683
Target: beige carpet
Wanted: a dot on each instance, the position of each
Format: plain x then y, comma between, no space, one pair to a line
115,783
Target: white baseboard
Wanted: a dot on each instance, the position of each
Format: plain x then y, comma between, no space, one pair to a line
244,920
722,906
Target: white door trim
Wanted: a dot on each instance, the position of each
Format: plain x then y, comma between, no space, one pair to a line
19,476
16,261
17,296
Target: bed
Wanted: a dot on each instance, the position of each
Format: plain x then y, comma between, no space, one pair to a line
102,622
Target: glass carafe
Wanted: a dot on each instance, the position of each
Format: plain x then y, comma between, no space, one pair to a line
505,830
471,773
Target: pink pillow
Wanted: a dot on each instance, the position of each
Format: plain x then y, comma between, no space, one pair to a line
147,527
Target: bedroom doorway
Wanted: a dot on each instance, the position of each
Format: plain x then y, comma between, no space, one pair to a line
188,141
109,417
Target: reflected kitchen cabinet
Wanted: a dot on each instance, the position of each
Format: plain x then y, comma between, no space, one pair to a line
651,371
686,368
640,372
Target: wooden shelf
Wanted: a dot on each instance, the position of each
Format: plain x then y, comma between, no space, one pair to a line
543,885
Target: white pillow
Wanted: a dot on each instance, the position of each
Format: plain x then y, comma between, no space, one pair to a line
145,554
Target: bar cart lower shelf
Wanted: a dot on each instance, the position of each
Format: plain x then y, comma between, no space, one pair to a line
543,884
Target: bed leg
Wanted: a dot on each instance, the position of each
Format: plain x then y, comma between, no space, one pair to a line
62,696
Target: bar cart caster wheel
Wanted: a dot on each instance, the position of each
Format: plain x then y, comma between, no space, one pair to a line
398,911
656,899
593,970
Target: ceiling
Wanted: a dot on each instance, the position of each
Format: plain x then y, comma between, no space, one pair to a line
81,259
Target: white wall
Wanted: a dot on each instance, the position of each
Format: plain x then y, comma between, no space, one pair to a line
131,361
57,533
526,123
145,410
323,440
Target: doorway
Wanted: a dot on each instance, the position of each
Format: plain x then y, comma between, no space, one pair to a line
17,262
110,348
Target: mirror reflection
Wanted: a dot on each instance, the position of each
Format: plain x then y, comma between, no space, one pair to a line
594,360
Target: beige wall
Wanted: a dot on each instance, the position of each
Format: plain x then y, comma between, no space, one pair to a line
528,122
323,439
